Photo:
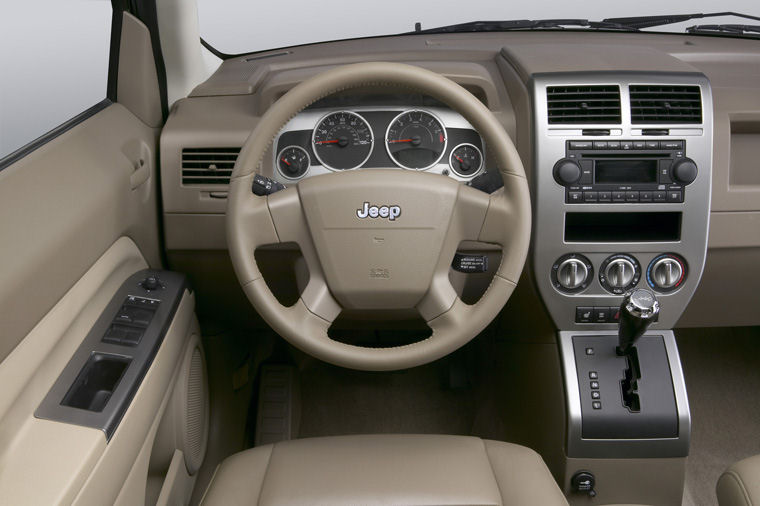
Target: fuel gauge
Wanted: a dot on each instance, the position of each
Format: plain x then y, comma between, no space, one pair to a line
293,162
465,160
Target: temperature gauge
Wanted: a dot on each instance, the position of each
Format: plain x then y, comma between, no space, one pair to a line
465,160
293,162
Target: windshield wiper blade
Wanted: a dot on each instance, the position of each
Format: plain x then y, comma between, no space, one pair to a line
525,24
640,22
732,29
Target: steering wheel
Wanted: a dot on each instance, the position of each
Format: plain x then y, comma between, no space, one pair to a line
378,239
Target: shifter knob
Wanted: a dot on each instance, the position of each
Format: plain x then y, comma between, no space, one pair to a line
638,310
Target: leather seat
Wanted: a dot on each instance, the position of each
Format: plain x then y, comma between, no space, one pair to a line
739,485
385,469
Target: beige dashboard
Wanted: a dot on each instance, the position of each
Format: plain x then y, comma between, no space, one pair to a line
499,69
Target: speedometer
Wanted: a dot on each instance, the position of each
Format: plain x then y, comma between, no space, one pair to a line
342,140
415,140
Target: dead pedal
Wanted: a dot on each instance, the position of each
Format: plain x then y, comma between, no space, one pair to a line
277,413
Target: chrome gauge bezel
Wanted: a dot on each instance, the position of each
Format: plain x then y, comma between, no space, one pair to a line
477,171
351,113
277,163
445,139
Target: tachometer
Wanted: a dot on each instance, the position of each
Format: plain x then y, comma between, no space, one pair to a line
415,140
342,140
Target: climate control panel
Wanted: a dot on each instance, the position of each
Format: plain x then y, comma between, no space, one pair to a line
618,273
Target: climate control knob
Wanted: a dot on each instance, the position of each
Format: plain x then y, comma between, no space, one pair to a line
666,272
567,171
683,171
572,273
619,273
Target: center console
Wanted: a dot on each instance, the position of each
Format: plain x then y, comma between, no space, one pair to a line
622,179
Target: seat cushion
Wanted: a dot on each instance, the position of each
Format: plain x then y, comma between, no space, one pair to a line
739,485
385,469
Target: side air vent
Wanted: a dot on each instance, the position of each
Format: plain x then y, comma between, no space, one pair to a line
208,165
656,103
583,104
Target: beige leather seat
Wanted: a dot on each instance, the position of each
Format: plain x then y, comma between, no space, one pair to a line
739,485
385,469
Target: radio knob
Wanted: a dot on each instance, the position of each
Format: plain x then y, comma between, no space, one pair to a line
684,171
572,273
567,171
619,273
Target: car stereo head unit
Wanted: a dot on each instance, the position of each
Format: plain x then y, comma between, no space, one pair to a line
625,171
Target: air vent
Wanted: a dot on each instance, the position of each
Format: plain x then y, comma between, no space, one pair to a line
208,165
655,103
583,104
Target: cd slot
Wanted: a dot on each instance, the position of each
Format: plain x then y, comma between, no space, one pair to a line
625,155
623,227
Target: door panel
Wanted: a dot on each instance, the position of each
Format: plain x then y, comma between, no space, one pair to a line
64,205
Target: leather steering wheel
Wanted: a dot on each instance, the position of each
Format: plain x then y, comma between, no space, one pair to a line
397,259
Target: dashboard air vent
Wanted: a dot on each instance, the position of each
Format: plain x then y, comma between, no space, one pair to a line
208,165
656,103
583,104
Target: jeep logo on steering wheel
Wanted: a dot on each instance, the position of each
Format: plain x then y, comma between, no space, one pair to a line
368,211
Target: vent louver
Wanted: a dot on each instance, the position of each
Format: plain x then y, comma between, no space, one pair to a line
655,103
583,104
208,165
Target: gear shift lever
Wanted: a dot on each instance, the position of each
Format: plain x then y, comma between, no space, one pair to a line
639,309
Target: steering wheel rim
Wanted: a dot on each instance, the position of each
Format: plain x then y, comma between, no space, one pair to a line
308,214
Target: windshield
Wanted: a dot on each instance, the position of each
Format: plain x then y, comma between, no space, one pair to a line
243,26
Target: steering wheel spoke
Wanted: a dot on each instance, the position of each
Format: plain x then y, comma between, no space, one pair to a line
290,224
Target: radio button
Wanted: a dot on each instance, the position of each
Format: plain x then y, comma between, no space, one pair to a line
605,196
587,172
674,145
626,144
580,145
639,145
645,197
675,196
652,144
660,196
590,196
600,144
613,144
664,168
575,197
631,196
620,196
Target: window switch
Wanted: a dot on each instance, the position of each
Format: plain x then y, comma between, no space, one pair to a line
123,335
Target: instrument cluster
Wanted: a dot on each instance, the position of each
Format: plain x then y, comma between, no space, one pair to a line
319,141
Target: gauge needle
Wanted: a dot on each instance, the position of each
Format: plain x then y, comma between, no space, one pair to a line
284,160
327,142
401,140
460,160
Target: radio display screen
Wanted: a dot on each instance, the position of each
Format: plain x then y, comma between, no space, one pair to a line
625,171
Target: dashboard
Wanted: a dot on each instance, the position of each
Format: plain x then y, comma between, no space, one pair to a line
620,199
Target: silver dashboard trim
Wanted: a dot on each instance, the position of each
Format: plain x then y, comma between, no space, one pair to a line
578,447
550,208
